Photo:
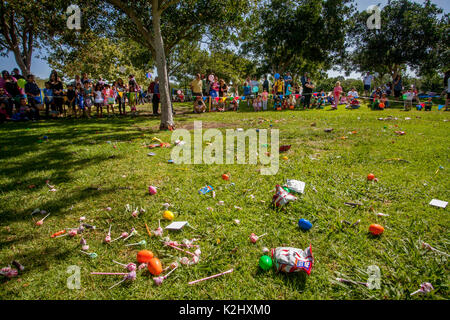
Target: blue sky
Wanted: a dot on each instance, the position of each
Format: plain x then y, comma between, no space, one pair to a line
40,67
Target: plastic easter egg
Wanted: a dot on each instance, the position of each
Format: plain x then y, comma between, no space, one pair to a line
370,176
225,177
285,158
168,215
144,256
152,190
154,266
304,224
376,229
265,262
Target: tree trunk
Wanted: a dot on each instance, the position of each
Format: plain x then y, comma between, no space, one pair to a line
161,63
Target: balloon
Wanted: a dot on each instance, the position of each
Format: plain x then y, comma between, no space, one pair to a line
243,98
255,89
277,76
21,83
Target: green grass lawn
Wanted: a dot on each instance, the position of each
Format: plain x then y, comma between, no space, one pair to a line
90,175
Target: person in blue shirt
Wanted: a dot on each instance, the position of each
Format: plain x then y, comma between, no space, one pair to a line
287,81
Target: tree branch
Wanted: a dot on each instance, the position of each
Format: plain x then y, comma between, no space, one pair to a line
163,5
132,15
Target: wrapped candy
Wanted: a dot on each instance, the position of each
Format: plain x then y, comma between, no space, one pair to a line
295,185
289,259
282,197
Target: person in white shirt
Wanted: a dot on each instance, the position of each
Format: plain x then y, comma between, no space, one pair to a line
367,80
353,93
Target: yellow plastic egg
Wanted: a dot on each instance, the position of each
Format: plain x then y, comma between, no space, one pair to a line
285,158
168,215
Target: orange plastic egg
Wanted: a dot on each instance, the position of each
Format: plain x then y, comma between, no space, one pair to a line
225,177
370,176
376,229
154,266
144,256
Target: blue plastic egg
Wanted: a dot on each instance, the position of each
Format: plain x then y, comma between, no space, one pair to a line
304,224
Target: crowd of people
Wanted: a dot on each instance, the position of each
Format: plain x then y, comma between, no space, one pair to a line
22,99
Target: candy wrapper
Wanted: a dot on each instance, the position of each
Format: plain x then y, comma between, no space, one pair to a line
282,197
295,185
292,259
205,190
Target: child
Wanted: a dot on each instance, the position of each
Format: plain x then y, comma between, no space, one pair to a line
3,113
98,100
284,104
384,100
428,104
277,103
314,101
234,104
257,103
199,106
279,87
291,102
108,93
337,93
88,98
265,97
408,97
48,99
71,99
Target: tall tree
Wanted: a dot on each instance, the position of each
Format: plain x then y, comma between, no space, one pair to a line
293,35
160,25
412,35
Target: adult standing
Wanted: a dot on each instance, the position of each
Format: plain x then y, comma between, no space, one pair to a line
156,97
85,78
12,90
16,74
266,84
197,86
303,79
398,86
254,84
287,82
223,88
307,92
367,81
57,86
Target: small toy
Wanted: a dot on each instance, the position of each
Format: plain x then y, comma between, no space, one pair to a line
265,262
91,255
289,259
254,237
211,277
159,280
168,215
282,197
159,231
132,233
154,266
425,287
304,224
123,235
205,189
108,236
41,222
84,244
376,229
152,190
144,256
130,266
140,243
